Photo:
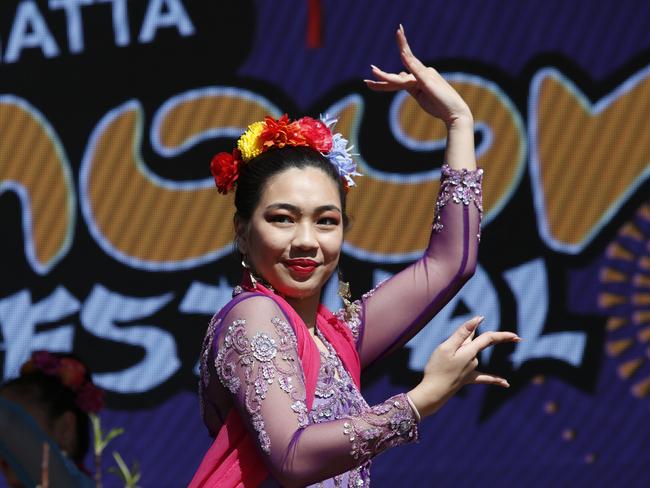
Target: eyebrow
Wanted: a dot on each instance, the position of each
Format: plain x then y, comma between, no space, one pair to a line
296,210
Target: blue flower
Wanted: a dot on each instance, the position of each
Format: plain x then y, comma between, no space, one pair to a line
340,155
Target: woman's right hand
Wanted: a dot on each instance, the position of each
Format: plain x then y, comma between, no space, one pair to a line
453,364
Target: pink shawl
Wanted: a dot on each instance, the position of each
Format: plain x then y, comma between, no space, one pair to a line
234,460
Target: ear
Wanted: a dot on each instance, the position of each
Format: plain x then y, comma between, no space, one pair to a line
241,235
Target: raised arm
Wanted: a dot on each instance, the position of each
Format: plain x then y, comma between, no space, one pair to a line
398,309
257,362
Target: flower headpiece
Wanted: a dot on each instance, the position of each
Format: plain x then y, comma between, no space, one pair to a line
72,374
269,133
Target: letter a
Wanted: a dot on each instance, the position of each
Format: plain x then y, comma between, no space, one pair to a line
29,30
154,19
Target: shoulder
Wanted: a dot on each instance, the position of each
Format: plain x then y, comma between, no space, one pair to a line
251,305
253,314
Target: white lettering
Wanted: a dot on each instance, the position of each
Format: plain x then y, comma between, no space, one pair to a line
207,300
120,21
73,18
103,310
480,298
29,30
155,18
18,320
530,286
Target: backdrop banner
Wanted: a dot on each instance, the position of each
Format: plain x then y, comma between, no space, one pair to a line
115,244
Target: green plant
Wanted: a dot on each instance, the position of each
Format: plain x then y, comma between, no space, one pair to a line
129,476
100,443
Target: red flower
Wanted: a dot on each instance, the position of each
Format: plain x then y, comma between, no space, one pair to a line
90,398
316,134
225,169
72,373
46,362
281,132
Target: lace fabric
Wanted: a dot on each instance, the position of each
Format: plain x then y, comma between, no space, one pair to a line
252,352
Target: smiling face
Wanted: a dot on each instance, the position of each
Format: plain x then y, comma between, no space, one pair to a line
293,239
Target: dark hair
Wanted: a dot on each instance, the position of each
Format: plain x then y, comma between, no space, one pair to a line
48,392
256,173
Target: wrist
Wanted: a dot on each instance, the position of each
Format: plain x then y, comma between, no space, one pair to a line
415,410
425,400
463,120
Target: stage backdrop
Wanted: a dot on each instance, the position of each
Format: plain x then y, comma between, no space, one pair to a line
115,244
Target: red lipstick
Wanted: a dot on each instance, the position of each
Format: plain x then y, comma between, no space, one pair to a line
301,265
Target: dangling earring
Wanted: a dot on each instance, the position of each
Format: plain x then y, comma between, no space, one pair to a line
344,290
344,293
246,266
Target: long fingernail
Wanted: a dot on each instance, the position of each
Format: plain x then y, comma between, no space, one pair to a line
401,27
373,66
481,318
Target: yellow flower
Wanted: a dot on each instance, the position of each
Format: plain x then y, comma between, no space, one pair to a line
249,143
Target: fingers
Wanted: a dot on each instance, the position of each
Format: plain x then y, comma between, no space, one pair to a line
458,338
469,339
413,64
488,339
390,81
489,379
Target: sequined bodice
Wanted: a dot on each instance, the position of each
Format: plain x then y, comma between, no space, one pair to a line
337,397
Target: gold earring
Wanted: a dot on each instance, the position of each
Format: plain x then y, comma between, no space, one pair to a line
246,266
351,309
344,290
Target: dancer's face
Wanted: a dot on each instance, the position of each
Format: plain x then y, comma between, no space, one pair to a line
294,237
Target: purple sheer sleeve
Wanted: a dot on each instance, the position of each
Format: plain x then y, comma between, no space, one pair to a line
395,311
257,362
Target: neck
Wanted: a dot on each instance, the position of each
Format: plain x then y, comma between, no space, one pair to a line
306,308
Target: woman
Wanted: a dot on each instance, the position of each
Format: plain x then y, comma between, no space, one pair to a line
280,374
48,404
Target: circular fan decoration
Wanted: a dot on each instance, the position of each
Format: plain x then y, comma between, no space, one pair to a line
625,297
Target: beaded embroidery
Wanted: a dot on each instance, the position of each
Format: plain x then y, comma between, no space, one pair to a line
459,186
264,360
337,398
204,376
385,425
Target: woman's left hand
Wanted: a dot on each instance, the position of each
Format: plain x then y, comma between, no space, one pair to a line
424,84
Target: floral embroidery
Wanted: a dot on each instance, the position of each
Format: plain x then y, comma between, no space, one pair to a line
263,347
204,376
259,362
388,424
459,186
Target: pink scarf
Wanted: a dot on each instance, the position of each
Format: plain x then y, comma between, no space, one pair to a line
233,460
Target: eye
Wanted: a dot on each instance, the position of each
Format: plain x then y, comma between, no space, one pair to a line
280,219
328,221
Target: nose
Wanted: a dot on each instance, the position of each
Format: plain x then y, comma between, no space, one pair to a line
305,237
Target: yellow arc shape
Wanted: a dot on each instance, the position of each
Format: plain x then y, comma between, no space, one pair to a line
394,218
33,164
187,118
590,157
141,219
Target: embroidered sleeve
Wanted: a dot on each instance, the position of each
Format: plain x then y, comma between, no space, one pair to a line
257,363
391,423
249,366
459,186
407,301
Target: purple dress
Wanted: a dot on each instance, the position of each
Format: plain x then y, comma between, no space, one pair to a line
250,360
